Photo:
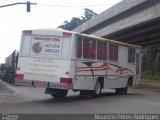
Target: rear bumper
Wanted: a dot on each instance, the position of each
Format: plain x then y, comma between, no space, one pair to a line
43,84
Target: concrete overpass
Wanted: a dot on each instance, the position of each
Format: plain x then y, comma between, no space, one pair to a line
130,21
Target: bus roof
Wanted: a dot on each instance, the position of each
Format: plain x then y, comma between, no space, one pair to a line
110,41
89,36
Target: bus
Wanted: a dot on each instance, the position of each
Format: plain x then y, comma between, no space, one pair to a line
61,60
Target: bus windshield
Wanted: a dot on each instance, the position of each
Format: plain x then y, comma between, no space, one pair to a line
45,46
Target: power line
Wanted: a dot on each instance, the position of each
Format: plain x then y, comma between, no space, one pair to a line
94,5
56,5
7,1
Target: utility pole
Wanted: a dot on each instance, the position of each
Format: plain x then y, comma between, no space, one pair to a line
28,5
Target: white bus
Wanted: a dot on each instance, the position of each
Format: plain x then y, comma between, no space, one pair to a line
60,60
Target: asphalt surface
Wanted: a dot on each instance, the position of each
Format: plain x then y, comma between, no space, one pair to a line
35,101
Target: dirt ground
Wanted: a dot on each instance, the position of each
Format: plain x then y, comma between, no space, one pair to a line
147,88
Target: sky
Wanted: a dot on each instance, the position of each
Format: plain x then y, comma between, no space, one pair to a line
46,14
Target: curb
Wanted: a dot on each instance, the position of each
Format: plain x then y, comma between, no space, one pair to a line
6,88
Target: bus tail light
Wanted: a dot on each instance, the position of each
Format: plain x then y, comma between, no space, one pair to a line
66,80
19,76
67,34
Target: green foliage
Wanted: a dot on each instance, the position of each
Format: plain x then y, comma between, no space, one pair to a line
151,63
88,14
157,63
150,78
150,81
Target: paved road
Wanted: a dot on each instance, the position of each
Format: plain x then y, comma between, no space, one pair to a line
33,100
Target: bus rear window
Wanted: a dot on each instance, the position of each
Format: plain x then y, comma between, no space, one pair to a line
49,46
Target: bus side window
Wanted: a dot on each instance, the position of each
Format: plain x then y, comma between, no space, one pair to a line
79,47
85,48
131,55
113,52
89,49
101,50
92,49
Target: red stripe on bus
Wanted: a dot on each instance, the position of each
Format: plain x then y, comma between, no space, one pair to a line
93,67
121,70
105,68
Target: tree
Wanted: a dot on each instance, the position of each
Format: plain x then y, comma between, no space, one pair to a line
157,63
88,14
151,60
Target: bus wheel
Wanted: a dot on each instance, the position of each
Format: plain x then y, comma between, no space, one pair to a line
59,93
97,89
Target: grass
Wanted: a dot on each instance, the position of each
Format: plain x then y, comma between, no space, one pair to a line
149,81
148,78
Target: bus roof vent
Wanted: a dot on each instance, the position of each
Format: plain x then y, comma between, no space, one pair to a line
27,31
67,34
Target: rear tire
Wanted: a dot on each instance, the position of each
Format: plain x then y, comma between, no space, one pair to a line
97,89
59,93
